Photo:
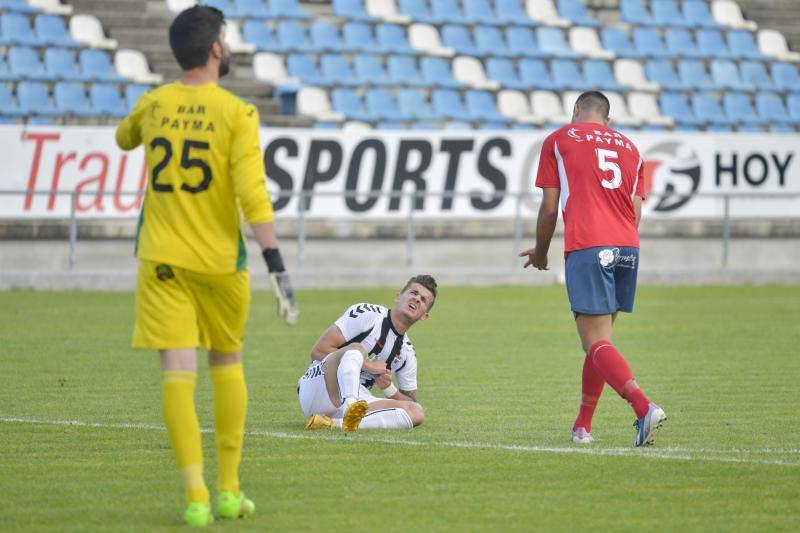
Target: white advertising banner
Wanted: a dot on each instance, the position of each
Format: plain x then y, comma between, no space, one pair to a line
369,175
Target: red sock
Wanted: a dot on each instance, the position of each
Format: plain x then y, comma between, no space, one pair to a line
610,364
591,388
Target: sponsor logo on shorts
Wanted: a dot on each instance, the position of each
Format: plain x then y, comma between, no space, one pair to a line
611,258
164,272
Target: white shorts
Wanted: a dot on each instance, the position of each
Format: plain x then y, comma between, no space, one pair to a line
313,393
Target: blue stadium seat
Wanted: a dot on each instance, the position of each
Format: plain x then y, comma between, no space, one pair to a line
336,70
504,72
738,107
756,73
707,108
666,13
5,74
694,75
793,105
742,45
260,35
698,14
490,41
70,98
522,42
382,104
523,127
681,44
661,71
719,128
535,73
576,12
403,70
359,36
552,42
567,74
710,43
459,39
105,99
327,126
456,125
448,11
252,9
482,104
649,43
423,126
34,99
634,12
390,126
480,12
436,71
52,30
369,71
676,106
448,104
617,41
725,74
17,6
60,64
785,77
414,103
352,10
687,128
750,128
23,63
325,37
96,65
511,12
392,38
347,102
418,10
9,107
598,74
15,29
287,9
291,36
653,127
493,126
770,107
227,7
780,128
132,94
304,67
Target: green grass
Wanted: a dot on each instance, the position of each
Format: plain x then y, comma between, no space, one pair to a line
499,373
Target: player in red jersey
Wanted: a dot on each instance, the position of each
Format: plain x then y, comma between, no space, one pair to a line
597,173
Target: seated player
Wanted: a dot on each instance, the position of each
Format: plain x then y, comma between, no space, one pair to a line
365,347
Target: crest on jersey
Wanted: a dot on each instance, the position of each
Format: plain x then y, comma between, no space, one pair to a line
575,133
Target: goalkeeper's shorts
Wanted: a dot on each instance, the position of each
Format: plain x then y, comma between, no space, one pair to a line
179,308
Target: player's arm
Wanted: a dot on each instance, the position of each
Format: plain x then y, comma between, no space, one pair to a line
545,227
638,193
128,134
384,382
330,341
637,209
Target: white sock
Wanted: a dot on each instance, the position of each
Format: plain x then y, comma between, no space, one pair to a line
349,375
394,418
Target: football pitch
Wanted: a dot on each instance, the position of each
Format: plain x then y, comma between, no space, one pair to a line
83,447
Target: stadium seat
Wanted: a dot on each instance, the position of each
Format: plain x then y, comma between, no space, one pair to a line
403,70
270,68
617,41
419,11
5,73
392,38
414,103
727,13
511,12
756,73
650,44
327,126
773,44
357,125
336,70
17,6
97,66
544,12
352,10
383,105
494,126
52,30
70,98
660,71
522,42
233,35
666,13
516,107
425,38
16,30
287,9
304,68
228,8
260,35
547,105
456,125
448,104
551,42
491,42
743,46
436,71
785,77
634,12
575,12
630,72
23,63
698,14
738,107
681,44
459,39
133,65
770,108
793,105
482,104
725,74
105,99
480,12
388,126
87,29
469,71
644,107
504,72
694,75
253,9
423,126
780,128
686,128
598,74
711,44
450,12
386,10
707,108
291,36
719,128
34,99
8,106
314,102
325,37
535,74
60,63
370,71
586,42
675,106
619,113
132,94
567,74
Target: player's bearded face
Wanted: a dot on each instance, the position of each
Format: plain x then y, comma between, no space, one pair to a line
225,60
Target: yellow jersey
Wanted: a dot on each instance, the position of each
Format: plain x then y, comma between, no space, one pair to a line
204,163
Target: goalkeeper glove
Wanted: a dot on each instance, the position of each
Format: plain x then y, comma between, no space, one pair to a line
281,286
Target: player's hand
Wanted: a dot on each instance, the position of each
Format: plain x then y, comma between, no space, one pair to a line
287,305
376,368
535,259
384,380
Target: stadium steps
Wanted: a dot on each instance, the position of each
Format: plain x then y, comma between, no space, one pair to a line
778,15
143,25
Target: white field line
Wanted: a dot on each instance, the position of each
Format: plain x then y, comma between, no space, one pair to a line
681,454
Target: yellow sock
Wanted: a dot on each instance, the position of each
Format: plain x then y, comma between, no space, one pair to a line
184,432
230,408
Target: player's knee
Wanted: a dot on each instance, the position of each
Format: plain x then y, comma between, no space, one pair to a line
357,346
415,412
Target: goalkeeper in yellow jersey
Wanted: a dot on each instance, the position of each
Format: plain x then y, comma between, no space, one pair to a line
205,166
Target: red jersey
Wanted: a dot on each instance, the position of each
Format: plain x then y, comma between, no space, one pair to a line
599,171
